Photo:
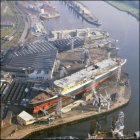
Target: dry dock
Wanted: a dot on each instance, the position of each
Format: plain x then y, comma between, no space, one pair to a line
82,112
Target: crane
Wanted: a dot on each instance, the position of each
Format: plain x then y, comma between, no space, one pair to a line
73,39
117,131
59,103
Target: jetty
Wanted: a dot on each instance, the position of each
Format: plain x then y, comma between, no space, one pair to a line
82,111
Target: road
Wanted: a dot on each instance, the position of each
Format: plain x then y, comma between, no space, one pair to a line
27,22
26,30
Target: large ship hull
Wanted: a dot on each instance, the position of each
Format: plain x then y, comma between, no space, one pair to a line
91,21
79,88
47,104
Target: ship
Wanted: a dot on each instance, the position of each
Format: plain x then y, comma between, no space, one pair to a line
83,11
76,83
116,132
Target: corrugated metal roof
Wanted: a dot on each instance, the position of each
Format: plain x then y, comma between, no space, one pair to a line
39,55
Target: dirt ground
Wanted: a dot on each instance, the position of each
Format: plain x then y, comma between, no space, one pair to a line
7,130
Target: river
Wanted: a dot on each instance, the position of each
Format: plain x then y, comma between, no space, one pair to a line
122,27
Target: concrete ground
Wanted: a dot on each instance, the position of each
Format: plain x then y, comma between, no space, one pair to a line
8,130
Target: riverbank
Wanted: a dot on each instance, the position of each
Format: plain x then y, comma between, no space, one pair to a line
124,7
80,113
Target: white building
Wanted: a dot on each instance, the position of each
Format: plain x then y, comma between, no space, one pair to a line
42,74
38,27
25,118
42,11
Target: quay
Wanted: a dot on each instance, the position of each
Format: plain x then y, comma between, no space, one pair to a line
83,111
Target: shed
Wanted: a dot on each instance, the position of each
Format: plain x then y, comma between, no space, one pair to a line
25,118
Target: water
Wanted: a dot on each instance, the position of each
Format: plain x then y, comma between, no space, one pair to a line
122,27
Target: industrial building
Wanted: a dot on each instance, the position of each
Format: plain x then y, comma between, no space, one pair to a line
7,25
38,27
25,118
92,33
33,60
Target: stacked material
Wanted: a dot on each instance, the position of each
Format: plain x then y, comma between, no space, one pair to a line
72,105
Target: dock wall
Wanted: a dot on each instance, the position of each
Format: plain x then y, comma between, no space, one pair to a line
23,133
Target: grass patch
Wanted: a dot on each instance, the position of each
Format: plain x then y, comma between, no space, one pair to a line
19,27
6,31
125,7
12,42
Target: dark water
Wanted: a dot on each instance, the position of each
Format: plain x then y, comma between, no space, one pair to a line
121,26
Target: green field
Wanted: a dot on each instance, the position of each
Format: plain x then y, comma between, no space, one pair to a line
6,12
12,42
6,31
11,10
125,7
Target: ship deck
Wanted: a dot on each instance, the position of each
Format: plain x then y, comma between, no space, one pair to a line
86,73
42,96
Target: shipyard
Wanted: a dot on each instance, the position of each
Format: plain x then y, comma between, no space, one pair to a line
54,77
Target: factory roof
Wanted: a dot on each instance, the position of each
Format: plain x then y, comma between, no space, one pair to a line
39,55
65,44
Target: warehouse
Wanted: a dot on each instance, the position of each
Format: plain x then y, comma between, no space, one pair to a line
25,119
33,60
